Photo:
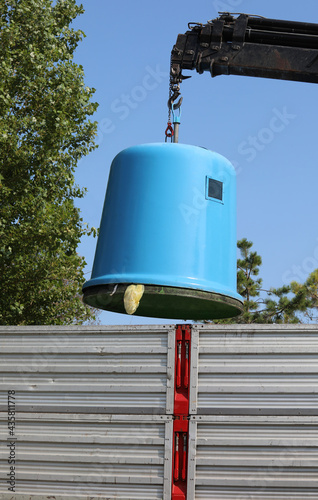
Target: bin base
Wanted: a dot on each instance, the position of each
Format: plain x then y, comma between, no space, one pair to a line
165,302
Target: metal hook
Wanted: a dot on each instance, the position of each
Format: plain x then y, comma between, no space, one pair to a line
175,91
173,98
174,105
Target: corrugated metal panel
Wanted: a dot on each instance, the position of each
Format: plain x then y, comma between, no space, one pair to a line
88,369
255,436
96,378
252,369
87,456
260,457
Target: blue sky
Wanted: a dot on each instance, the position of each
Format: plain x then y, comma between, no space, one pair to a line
267,128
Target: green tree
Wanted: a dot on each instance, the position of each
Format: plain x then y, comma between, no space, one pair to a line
44,131
294,303
247,284
308,291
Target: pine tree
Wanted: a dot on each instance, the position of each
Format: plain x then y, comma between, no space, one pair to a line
294,303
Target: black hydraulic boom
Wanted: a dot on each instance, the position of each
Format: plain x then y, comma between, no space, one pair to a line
248,46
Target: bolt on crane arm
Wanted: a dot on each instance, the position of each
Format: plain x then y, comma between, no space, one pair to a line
248,46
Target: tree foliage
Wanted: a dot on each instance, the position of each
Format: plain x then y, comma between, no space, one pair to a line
293,303
44,131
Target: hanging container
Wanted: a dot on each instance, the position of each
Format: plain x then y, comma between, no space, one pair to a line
167,241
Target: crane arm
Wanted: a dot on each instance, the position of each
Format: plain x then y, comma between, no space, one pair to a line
248,46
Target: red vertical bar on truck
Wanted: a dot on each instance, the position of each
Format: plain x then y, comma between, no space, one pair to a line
181,412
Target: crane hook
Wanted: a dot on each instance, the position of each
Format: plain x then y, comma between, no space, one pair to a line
173,98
